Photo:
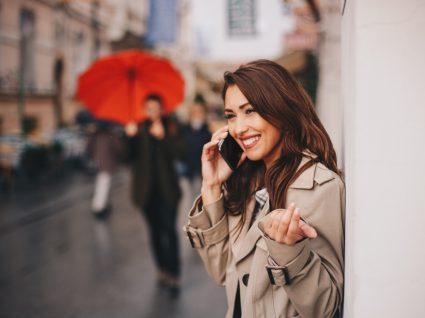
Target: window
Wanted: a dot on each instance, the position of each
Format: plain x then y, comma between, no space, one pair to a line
241,17
27,45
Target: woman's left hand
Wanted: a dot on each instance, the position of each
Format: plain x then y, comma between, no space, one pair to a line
157,129
286,226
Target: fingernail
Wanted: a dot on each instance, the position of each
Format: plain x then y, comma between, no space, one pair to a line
292,205
297,211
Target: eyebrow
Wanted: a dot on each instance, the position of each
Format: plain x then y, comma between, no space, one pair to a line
240,107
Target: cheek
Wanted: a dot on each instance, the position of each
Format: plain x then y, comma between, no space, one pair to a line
231,129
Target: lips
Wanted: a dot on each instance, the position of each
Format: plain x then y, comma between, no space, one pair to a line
251,141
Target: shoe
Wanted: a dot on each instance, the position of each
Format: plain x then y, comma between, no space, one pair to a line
162,279
174,290
103,214
169,282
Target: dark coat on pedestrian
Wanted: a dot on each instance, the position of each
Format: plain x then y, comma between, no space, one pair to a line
196,138
153,163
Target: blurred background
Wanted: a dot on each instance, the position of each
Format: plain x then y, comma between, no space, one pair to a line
56,260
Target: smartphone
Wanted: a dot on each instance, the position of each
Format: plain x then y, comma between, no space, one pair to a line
230,151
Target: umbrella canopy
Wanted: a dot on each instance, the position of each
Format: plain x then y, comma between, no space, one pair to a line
115,87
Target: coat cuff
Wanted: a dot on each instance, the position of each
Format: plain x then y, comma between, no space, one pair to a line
207,225
285,261
205,217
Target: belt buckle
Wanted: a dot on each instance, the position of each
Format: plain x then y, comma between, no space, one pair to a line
192,239
285,272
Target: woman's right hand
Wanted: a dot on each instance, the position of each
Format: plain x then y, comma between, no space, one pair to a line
215,170
130,129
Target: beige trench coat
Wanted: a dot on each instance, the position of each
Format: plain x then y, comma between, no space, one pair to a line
277,280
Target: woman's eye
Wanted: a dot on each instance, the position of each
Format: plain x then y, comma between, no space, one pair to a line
250,110
228,116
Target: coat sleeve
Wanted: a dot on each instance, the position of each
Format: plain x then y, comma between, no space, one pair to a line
130,148
311,271
208,231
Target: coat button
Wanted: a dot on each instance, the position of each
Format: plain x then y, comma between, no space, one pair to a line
245,279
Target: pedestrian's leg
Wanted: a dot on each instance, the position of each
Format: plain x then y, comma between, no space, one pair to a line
101,191
171,244
152,215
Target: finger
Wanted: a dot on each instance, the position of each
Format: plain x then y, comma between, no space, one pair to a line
283,226
209,150
209,145
269,221
223,135
293,230
291,207
269,224
308,230
220,135
220,131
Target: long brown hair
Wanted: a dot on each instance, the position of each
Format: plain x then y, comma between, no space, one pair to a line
277,97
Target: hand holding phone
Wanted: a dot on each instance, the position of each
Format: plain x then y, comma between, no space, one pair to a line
215,168
230,150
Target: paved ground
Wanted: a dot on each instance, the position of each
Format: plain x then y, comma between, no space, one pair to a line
57,261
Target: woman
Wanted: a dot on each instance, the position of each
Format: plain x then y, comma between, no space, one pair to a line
272,231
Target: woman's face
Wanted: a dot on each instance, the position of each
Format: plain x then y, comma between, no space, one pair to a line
153,109
259,139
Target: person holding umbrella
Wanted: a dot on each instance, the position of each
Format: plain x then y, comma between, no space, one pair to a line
112,88
152,148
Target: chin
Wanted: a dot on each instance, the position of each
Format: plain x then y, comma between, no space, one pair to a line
254,156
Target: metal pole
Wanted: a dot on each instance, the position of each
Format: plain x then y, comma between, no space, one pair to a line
21,99
95,28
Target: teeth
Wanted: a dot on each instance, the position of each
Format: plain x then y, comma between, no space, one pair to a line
250,141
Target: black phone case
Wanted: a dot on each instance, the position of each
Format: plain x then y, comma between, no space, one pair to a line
230,151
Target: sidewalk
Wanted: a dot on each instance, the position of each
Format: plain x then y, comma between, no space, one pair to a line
59,261
42,198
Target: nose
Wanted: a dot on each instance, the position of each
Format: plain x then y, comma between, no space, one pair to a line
239,127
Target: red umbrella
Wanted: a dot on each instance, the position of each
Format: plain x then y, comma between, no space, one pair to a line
115,86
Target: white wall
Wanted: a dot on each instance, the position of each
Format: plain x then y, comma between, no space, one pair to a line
328,104
209,23
383,65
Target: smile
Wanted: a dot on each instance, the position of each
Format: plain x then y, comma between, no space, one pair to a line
250,142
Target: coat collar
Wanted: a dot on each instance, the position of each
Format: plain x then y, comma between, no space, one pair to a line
306,179
316,173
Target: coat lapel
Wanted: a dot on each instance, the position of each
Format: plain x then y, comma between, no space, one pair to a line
248,242
233,225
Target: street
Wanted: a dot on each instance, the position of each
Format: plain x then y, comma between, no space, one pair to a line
56,260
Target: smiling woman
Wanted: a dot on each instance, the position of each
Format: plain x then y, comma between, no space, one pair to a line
259,139
272,230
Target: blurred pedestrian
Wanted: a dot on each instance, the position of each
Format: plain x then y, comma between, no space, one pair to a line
196,134
272,229
153,146
104,147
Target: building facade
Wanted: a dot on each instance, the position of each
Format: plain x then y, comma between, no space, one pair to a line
44,45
